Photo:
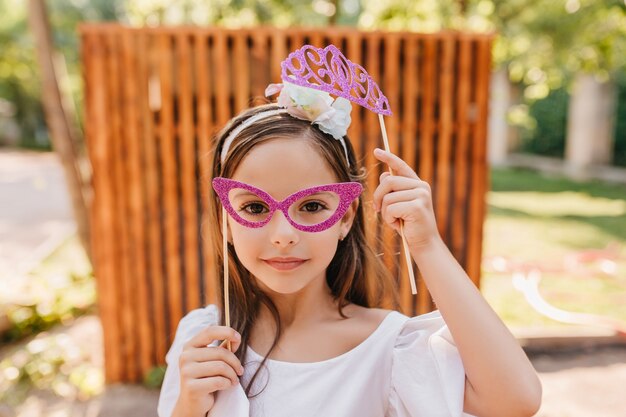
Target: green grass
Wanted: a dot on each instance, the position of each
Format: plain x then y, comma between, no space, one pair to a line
59,289
538,219
32,355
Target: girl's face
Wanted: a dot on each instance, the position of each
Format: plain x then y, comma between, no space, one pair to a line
281,257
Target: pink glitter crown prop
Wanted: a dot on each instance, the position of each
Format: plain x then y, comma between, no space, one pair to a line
327,69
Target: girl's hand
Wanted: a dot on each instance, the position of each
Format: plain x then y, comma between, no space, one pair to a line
405,196
206,369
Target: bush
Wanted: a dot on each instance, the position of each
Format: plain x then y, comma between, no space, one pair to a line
550,114
548,137
619,155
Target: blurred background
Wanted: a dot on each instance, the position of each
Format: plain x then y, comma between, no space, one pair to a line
554,254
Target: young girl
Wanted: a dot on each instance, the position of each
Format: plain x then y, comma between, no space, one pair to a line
308,336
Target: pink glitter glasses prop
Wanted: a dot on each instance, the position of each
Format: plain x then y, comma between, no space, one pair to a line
313,209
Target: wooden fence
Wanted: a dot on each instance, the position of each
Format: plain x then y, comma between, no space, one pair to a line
155,96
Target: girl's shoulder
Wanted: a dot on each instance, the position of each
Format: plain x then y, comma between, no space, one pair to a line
390,334
371,326
406,330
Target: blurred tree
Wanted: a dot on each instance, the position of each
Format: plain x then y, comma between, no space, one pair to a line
60,117
19,73
544,42
416,16
242,13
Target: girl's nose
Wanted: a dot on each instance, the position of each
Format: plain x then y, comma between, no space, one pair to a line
282,233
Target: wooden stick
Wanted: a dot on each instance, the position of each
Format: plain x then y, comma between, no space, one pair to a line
225,251
407,254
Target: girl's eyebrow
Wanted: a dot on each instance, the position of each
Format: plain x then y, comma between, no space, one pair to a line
244,193
329,193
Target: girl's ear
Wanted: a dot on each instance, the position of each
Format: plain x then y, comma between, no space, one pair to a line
348,218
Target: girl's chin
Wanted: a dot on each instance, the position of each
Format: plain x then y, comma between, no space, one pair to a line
284,289
280,286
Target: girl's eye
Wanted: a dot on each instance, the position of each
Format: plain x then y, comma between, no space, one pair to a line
313,207
254,208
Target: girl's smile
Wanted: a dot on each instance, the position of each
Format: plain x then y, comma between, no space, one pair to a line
284,264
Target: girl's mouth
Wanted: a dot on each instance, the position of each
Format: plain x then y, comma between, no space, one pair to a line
284,264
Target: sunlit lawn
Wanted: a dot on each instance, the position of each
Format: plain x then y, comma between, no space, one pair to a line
540,219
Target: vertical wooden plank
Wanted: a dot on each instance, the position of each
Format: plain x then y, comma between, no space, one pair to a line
222,79
390,87
154,209
428,100
241,66
355,131
148,328
297,38
479,159
260,75
372,139
444,145
426,134
335,36
169,173
205,128
138,275
119,170
278,54
409,141
461,149
315,38
188,171
96,132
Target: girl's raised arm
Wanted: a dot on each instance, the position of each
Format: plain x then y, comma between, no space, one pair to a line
500,380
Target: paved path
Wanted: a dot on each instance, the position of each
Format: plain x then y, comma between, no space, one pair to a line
583,383
35,212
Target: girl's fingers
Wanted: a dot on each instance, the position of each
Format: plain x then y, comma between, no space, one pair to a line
398,211
208,354
397,197
383,176
209,369
392,183
212,333
398,166
205,386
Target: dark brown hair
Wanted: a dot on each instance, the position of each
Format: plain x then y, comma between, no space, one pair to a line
355,274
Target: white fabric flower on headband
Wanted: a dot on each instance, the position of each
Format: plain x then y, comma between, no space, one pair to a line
331,115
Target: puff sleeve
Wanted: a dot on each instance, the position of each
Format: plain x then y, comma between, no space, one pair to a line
427,375
188,327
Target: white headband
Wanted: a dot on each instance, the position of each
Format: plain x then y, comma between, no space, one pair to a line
262,115
233,133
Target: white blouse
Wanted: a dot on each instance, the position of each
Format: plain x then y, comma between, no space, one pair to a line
408,367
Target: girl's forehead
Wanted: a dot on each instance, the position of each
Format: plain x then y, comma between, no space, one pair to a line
281,167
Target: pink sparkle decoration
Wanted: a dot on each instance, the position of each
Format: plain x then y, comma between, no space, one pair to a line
347,192
327,69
